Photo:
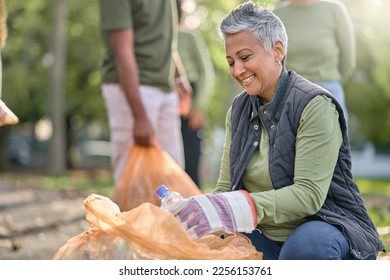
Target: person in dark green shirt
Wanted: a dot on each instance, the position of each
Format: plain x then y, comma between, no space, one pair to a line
199,68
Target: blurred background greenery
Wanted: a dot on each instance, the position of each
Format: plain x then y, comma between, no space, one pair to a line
55,90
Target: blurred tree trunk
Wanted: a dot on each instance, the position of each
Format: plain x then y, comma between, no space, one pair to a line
56,164
4,137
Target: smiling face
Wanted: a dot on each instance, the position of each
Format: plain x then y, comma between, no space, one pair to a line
255,69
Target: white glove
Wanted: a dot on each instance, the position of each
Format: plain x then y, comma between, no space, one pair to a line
230,211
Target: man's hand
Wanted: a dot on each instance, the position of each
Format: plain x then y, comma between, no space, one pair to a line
143,132
184,90
195,119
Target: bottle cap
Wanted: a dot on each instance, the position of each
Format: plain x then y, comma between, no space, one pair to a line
162,191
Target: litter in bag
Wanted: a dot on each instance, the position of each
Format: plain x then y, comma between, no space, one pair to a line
147,232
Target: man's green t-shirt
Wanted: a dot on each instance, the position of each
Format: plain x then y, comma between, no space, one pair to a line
197,65
155,38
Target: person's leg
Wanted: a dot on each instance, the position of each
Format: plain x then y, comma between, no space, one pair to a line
192,150
120,121
162,110
316,240
269,248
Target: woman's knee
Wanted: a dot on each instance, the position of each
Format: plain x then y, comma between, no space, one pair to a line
316,240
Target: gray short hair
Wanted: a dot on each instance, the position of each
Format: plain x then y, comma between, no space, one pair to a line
265,26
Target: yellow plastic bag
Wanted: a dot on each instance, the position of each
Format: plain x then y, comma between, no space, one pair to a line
147,232
147,168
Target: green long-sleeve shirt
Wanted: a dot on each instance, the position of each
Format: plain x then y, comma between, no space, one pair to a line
321,40
318,141
198,66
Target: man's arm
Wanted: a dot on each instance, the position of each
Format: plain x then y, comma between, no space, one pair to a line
122,42
183,87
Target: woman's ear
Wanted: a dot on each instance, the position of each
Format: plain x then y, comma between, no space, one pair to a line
279,51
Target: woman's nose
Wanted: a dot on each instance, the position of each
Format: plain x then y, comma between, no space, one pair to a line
237,70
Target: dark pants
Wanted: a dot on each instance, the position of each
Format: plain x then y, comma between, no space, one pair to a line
192,150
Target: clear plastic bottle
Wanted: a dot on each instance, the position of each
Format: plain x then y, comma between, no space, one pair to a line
167,197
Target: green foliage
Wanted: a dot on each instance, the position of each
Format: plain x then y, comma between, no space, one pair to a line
368,92
210,14
374,187
27,61
24,74
86,184
84,53
378,211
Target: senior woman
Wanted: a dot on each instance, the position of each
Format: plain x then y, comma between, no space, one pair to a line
285,178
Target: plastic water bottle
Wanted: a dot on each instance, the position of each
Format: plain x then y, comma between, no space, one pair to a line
167,197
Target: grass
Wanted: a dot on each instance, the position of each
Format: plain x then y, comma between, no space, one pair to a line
374,187
83,182
380,214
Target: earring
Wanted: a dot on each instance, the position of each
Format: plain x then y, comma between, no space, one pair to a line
278,61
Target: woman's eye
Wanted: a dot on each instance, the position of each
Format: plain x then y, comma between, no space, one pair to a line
245,57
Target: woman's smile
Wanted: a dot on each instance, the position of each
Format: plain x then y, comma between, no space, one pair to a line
248,80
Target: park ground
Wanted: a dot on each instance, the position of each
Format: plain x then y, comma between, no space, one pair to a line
37,217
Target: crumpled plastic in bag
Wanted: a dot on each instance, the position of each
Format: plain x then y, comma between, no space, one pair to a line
147,232
94,244
146,169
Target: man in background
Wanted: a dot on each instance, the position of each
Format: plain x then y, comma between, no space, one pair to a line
138,76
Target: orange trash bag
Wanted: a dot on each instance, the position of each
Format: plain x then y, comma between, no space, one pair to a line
94,244
146,169
147,232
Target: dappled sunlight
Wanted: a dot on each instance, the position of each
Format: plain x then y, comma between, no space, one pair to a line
43,129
